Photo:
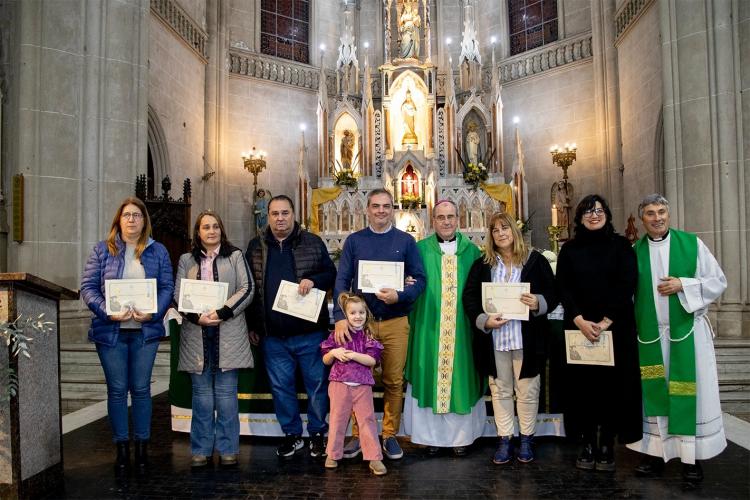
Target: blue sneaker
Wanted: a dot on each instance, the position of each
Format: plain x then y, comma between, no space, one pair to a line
352,448
504,452
391,448
526,451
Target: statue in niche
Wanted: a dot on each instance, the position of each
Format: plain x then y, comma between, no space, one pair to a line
346,149
561,195
260,209
472,144
408,30
408,113
409,183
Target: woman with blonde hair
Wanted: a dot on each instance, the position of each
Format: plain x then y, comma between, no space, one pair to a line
126,341
505,350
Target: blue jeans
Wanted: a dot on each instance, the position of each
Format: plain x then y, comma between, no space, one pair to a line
282,357
127,368
214,389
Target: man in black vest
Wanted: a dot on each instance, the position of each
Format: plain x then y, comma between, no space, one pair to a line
285,251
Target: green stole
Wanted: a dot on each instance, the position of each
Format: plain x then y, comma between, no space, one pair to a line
677,398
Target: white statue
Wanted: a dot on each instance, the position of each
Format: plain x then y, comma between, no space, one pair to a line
408,29
472,145
408,113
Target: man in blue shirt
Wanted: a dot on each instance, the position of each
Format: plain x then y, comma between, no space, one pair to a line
381,241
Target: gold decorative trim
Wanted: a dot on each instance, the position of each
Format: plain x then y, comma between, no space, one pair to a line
681,388
652,371
447,340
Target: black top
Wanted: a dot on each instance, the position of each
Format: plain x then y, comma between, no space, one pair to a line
596,276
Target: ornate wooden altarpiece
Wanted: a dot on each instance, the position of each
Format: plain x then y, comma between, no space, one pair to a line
170,218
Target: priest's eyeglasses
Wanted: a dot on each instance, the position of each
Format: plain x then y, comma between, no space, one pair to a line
448,217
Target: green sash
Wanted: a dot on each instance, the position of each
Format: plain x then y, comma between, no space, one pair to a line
675,399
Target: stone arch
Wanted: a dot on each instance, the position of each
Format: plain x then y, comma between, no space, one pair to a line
158,151
659,175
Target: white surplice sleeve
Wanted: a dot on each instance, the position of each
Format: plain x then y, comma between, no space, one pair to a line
707,286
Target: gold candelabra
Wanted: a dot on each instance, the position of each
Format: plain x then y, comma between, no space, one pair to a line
255,163
554,237
564,158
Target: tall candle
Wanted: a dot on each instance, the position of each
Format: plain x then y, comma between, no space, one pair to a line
554,215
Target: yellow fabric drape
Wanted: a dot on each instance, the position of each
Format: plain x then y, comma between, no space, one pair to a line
320,196
502,193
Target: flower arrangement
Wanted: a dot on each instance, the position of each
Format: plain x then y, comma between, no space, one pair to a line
525,225
475,174
410,201
345,177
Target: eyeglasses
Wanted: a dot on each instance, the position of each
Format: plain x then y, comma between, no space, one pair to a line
133,215
593,211
442,218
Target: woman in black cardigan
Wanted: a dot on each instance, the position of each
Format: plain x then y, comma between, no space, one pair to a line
596,275
506,350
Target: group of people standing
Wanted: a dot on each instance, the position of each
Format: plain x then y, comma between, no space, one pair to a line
660,397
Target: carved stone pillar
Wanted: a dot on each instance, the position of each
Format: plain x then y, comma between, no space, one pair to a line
606,95
217,113
703,141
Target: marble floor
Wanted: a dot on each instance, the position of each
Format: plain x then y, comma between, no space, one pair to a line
89,455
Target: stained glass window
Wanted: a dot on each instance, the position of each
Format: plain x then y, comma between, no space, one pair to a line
285,29
533,23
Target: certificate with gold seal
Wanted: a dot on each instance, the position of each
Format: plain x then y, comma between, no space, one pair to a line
581,351
289,301
124,294
198,296
373,275
505,298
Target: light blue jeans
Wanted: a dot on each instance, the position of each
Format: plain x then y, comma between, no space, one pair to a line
127,368
214,390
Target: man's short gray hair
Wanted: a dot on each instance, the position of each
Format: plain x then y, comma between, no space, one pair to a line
652,199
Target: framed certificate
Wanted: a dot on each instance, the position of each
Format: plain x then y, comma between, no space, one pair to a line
375,274
505,298
197,296
121,295
289,301
581,351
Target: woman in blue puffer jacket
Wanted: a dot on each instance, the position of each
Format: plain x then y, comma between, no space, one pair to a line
127,341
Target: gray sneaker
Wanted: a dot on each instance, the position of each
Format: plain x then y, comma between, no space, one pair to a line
392,449
352,448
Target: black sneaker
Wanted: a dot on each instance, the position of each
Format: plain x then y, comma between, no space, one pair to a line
290,445
317,445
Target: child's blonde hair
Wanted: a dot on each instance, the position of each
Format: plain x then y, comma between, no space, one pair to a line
350,298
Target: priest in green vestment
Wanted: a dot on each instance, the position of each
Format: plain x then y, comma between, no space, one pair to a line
444,407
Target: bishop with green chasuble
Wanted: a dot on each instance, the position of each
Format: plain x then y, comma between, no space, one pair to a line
444,405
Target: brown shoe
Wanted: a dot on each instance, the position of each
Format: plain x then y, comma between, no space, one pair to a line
331,463
377,468
228,460
198,461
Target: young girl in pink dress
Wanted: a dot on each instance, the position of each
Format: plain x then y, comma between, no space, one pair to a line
350,386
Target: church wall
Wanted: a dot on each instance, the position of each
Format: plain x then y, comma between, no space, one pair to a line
241,23
489,14
576,15
640,85
267,116
744,54
177,79
553,108
77,104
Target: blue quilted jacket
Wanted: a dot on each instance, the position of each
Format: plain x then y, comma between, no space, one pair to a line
102,266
